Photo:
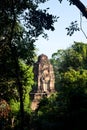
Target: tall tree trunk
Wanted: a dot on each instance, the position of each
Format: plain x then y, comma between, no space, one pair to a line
20,90
18,81
17,68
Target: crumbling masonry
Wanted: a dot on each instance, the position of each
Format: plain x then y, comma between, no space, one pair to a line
44,78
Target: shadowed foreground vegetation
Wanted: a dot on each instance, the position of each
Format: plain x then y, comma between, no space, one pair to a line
21,23
64,110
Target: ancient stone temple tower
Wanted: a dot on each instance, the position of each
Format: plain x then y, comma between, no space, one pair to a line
44,78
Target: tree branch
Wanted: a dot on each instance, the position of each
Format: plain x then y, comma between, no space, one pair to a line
80,6
81,26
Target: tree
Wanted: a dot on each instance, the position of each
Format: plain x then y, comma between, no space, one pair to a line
27,77
74,57
71,84
47,115
79,5
15,14
74,25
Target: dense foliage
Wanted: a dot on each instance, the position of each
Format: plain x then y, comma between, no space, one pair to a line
20,25
66,109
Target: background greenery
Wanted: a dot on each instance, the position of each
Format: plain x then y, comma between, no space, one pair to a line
21,24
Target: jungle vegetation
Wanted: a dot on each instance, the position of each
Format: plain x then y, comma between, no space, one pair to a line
21,23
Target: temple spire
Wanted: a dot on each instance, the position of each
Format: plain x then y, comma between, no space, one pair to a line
44,78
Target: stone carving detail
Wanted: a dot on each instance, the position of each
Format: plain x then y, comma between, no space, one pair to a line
44,77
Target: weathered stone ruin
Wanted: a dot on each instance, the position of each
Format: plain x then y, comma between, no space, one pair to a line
44,78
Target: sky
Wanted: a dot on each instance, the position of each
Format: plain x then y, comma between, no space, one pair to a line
58,38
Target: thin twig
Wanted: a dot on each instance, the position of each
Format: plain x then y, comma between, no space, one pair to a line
81,26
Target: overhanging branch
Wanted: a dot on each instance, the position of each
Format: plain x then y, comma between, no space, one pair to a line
80,6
